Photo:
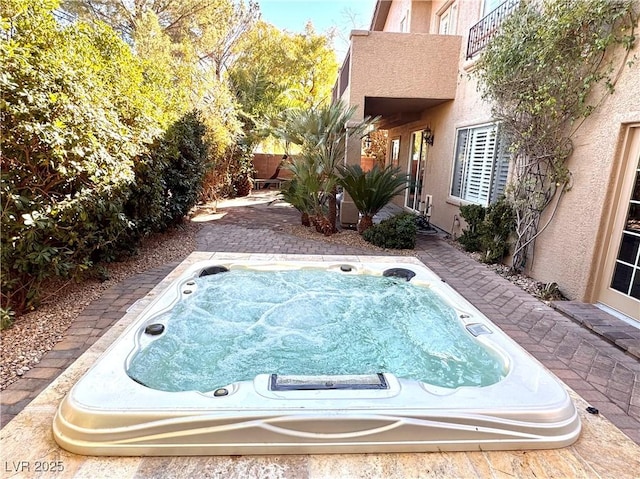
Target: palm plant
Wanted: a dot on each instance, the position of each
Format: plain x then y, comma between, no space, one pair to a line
322,136
302,190
372,190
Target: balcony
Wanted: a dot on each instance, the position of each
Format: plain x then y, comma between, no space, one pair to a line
397,75
483,31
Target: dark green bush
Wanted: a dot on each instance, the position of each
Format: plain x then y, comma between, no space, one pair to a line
397,232
168,180
185,154
488,229
498,224
68,138
470,238
77,120
145,203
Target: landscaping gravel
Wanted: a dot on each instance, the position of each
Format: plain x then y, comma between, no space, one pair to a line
24,344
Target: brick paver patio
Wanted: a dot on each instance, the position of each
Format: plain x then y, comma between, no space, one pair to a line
606,375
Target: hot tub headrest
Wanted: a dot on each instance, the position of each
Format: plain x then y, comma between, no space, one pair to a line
399,273
212,270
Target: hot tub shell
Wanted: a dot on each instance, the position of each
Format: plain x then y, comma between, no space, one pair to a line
108,413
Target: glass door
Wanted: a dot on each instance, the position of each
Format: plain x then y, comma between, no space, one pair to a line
621,286
415,170
626,273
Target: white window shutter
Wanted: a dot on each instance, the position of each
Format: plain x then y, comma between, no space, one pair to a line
481,165
481,154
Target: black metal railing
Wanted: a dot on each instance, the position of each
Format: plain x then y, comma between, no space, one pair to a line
485,29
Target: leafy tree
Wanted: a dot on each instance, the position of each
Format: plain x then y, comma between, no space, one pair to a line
372,190
222,31
211,27
300,68
277,70
314,69
170,68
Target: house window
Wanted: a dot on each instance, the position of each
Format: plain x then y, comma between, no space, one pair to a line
481,164
626,274
448,20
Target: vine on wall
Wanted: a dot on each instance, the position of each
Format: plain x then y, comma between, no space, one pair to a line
551,65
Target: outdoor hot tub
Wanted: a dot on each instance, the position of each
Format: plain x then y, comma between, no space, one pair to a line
243,356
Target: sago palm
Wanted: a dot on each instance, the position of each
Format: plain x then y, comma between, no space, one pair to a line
372,190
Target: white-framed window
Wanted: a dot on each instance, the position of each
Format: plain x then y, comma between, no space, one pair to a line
481,164
447,24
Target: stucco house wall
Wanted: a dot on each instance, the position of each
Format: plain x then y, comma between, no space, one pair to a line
467,109
570,249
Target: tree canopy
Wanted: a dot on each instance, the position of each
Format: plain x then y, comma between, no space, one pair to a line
212,27
277,70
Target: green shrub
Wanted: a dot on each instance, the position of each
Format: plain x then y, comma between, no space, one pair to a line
184,153
66,147
76,113
488,229
168,180
470,238
397,232
498,224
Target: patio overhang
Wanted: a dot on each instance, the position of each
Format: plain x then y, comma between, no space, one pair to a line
395,75
397,111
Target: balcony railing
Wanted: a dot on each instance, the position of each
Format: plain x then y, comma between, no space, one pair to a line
482,32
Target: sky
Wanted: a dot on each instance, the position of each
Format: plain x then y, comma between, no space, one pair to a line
341,15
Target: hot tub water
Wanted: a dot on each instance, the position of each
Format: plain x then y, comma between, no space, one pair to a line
233,326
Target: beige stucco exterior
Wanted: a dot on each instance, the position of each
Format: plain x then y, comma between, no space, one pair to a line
420,79
580,223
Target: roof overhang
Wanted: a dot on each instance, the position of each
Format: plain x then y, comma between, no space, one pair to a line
394,112
380,15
